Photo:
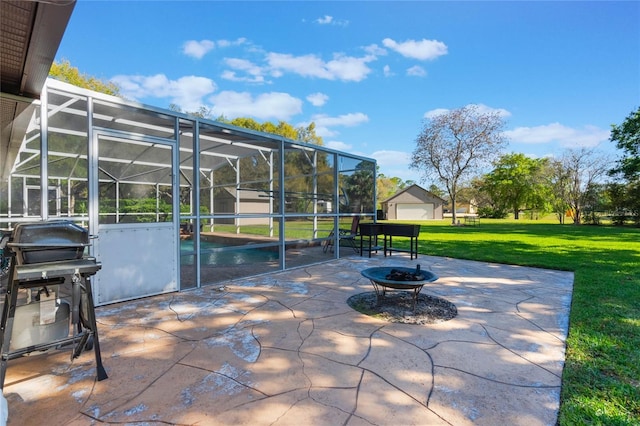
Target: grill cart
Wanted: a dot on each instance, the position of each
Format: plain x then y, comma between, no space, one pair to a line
48,259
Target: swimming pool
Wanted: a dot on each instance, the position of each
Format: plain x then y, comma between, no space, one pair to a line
219,254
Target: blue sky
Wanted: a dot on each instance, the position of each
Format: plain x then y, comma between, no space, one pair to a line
369,72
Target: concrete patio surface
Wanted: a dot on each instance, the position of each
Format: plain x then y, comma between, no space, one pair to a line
285,348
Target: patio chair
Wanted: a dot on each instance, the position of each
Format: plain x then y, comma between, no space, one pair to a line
347,235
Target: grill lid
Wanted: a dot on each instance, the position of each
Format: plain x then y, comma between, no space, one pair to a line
48,241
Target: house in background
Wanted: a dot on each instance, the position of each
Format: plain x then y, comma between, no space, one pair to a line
468,208
245,202
413,203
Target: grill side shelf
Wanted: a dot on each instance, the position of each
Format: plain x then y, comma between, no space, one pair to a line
85,266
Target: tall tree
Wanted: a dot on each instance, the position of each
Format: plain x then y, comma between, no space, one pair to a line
560,180
435,190
582,169
386,187
64,71
487,205
308,134
518,181
202,112
627,138
358,188
454,146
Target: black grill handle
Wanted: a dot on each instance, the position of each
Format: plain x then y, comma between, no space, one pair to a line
47,245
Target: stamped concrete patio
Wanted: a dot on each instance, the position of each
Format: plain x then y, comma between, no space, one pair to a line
285,348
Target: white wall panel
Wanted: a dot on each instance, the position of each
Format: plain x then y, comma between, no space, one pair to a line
137,260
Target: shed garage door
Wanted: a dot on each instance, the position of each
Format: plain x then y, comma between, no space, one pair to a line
414,211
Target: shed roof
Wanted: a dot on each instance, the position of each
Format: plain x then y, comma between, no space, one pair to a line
413,188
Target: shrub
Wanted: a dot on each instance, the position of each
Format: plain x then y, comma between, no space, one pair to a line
491,213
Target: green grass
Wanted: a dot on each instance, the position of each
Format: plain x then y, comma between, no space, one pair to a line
601,378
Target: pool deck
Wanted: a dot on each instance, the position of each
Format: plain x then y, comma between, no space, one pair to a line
285,348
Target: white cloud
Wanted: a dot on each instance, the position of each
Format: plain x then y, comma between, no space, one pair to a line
435,112
187,92
484,109
481,108
255,72
416,71
197,49
317,99
328,20
568,137
232,76
395,164
337,145
266,106
387,158
422,49
229,43
324,132
387,71
324,123
374,49
346,120
341,67
243,64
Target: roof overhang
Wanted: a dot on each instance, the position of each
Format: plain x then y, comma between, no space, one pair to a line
30,34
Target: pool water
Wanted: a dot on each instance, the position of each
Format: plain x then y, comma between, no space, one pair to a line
228,256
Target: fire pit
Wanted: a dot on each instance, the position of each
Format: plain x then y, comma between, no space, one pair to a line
45,256
398,278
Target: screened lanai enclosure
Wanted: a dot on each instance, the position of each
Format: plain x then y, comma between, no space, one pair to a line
173,201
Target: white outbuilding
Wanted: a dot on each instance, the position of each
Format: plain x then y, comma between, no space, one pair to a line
413,203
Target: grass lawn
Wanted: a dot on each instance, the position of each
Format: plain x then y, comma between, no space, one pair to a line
601,378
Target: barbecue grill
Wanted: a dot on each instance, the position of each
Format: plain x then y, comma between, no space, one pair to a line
47,256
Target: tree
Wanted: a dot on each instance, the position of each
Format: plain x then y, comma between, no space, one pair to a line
435,190
456,145
358,188
308,134
624,201
560,186
301,133
633,200
595,201
487,205
627,138
202,112
64,71
617,197
581,169
386,187
518,182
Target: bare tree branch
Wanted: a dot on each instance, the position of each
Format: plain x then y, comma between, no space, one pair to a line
455,146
